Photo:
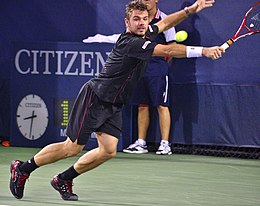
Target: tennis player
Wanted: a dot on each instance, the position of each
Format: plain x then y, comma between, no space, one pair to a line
99,104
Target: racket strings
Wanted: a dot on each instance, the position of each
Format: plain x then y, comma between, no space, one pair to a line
253,19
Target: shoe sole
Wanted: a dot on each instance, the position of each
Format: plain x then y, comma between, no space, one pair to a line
135,152
71,199
159,153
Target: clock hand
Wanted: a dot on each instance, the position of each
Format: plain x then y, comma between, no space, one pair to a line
33,116
30,117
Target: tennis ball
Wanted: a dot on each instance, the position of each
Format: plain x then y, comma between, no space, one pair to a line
181,36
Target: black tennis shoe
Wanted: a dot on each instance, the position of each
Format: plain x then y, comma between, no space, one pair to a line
64,187
18,179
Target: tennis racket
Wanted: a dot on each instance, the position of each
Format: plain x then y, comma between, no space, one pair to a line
250,25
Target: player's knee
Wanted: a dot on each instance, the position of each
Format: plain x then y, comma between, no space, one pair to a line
113,154
108,154
71,149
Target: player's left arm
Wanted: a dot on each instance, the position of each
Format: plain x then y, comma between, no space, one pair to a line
177,17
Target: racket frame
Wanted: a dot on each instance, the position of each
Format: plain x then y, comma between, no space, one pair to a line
243,25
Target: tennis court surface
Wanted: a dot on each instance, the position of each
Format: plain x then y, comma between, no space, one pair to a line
141,180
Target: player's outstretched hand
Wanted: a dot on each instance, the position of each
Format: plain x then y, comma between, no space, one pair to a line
213,52
201,4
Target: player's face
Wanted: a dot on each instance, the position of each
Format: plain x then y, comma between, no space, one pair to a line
151,4
138,22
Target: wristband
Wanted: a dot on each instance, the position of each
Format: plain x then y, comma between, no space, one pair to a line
193,51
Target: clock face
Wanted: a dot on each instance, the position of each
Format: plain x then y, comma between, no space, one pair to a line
32,117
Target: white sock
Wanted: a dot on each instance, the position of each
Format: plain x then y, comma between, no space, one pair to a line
164,142
142,142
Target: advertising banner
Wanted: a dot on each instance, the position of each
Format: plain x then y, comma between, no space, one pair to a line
45,79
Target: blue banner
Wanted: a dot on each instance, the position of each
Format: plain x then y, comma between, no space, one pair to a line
45,80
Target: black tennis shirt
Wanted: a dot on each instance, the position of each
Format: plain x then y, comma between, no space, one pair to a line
124,67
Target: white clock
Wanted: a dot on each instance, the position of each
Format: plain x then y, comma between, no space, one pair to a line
32,117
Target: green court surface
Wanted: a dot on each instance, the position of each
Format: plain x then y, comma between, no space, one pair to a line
141,180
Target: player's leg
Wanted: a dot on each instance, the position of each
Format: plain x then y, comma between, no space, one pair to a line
57,151
106,150
108,121
63,182
20,171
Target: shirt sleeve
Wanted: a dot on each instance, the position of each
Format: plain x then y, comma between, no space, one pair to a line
152,32
170,33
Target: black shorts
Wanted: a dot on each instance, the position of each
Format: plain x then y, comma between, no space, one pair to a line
90,114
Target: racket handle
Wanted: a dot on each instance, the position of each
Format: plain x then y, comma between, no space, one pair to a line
227,44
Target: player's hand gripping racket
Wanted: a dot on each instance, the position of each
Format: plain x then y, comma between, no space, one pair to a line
250,23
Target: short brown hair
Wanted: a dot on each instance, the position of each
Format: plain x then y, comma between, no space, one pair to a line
134,5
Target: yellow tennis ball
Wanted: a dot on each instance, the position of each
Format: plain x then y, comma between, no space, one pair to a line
181,36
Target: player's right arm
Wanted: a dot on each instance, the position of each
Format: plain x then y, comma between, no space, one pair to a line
182,51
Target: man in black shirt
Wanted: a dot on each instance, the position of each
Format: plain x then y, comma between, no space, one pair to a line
99,103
